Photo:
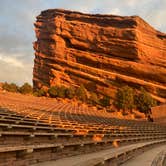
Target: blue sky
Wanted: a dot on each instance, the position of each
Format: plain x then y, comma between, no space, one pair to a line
17,31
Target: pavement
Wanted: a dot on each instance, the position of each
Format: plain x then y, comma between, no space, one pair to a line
146,158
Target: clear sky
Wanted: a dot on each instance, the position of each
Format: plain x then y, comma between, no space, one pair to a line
17,31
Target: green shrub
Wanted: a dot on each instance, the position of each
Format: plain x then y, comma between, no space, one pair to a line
62,92
94,99
40,93
26,89
125,98
144,101
82,93
105,101
10,87
57,91
70,93
53,91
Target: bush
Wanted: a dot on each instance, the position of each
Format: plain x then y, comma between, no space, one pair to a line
26,89
105,101
144,101
62,92
125,98
94,99
10,87
81,93
56,91
70,93
40,93
53,91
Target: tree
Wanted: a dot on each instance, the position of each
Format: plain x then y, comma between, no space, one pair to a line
94,99
70,93
26,89
57,91
61,91
105,101
144,101
10,87
125,98
53,91
81,93
40,92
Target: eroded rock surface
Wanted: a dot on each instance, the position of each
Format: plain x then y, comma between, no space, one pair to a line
103,52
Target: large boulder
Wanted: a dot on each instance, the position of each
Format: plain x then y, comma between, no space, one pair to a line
103,52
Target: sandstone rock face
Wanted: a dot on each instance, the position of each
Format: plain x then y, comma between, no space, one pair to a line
159,114
103,52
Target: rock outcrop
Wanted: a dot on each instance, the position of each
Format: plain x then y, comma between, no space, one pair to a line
103,52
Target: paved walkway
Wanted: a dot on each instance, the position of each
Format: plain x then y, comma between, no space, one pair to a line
146,158
79,159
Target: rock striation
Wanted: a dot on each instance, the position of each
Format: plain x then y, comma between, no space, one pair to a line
103,52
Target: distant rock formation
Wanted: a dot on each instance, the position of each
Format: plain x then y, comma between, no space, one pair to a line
103,52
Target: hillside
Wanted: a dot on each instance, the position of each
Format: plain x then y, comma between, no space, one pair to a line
103,52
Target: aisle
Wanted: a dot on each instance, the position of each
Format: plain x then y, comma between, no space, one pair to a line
146,158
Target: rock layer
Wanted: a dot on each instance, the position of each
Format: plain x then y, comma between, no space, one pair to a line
103,52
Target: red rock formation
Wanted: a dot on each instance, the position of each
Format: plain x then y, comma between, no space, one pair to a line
159,114
103,52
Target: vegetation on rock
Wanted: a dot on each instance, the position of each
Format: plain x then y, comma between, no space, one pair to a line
70,93
61,91
40,93
105,101
144,101
125,98
81,93
53,91
94,99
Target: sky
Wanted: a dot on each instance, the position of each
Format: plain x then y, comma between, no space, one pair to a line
17,30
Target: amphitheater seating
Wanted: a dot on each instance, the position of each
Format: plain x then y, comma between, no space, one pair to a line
111,157
33,130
